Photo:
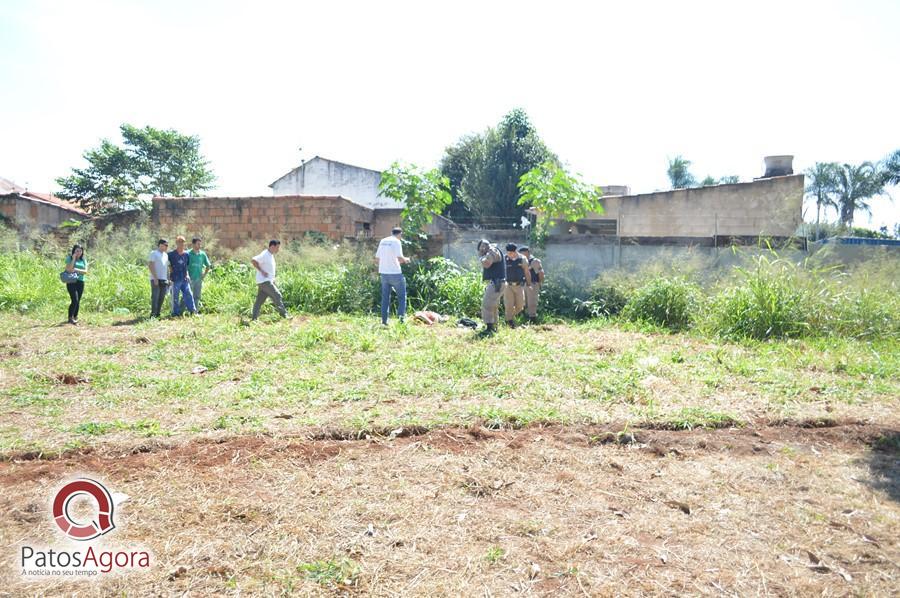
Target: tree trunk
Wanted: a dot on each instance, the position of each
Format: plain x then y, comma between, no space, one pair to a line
818,213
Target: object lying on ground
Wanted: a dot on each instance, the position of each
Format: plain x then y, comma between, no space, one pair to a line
430,317
467,323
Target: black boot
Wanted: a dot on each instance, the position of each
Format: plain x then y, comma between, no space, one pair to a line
532,319
488,330
511,323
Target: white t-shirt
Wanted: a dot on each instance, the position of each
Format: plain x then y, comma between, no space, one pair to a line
266,262
389,250
160,261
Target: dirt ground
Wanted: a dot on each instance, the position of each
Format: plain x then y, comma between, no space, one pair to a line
783,510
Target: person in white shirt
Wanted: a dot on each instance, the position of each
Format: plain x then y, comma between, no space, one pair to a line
389,257
265,280
158,263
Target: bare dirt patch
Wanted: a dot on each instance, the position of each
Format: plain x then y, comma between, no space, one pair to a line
548,510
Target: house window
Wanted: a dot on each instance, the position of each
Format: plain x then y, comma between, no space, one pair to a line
363,230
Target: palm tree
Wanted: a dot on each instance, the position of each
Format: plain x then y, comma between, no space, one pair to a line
679,174
822,185
891,169
855,186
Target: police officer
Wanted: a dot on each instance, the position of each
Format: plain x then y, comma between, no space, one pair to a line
493,273
514,294
535,280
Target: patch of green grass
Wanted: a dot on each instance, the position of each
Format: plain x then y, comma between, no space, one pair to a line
95,428
888,442
496,417
698,417
494,554
331,572
229,421
144,427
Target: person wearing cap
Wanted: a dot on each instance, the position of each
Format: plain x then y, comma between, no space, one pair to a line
493,273
389,257
533,287
516,279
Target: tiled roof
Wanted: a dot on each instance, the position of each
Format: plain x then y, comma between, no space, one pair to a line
7,187
52,199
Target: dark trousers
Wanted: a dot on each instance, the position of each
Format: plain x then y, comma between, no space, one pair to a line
268,290
76,290
157,297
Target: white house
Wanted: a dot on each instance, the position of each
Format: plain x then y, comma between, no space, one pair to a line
321,176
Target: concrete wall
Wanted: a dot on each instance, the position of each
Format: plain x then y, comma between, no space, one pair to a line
34,215
765,207
584,257
320,176
237,221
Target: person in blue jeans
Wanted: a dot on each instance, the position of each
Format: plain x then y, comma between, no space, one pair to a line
389,257
179,259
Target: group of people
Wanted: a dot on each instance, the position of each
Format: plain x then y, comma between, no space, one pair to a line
181,271
516,277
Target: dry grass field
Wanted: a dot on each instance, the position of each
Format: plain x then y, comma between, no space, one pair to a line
324,455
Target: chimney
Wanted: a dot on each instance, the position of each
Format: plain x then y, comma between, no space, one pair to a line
778,166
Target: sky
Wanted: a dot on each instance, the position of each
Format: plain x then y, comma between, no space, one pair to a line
614,88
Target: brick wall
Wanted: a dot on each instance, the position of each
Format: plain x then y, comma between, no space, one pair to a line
8,209
385,220
237,221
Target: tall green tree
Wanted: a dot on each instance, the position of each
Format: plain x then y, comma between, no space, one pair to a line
557,195
679,173
855,186
422,193
150,161
484,169
457,160
822,184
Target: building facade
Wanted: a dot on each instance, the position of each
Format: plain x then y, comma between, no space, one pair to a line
324,177
31,211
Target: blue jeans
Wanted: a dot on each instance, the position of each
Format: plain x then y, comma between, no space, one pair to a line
183,288
398,283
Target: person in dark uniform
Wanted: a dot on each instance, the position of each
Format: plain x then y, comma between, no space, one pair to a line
533,288
514,293
493,273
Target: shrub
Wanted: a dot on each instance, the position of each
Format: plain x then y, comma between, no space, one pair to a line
667,302
769,301
605,300
442,286
564,294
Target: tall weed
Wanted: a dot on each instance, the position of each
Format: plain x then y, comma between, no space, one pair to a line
669,302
